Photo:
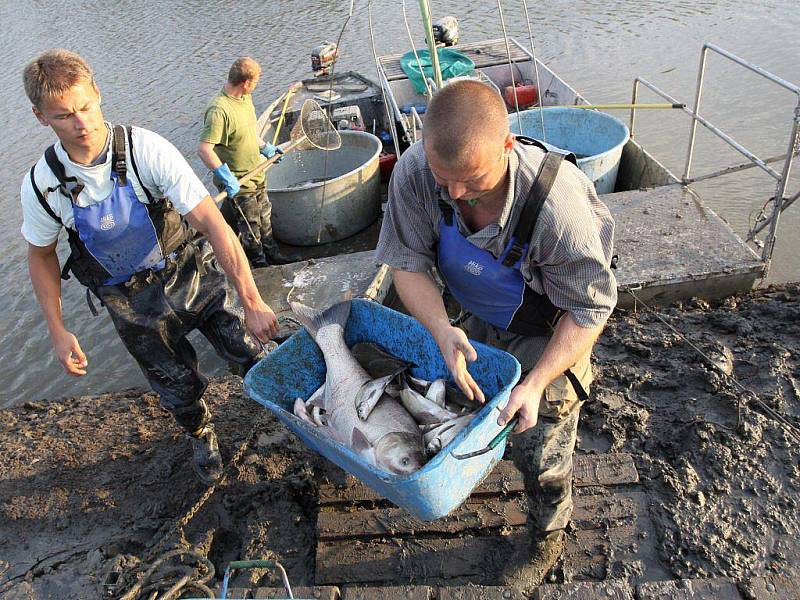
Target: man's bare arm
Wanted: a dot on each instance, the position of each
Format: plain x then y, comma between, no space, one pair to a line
205,150
570,343
45,276
207,219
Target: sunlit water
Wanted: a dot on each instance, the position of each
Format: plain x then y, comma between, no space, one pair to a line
158,64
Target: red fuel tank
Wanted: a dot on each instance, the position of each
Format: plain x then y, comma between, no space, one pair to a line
527,95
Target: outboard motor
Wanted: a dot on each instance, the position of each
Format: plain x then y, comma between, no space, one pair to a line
322,59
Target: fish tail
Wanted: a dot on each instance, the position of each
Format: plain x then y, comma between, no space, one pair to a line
314,320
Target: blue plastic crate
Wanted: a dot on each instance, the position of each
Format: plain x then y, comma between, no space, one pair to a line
297,368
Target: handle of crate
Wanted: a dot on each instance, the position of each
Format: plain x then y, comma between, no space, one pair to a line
255,564
504,433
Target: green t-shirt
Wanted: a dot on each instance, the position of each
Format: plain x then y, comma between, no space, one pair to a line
230,124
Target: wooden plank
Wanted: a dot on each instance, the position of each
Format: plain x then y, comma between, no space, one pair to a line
604,469
590,554
485,53
614,589
322,592
396,522
611,535
594,512
403,592
691,589
411,560
588,470
481,592
590,512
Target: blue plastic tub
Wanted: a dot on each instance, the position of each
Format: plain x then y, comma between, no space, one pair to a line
594,137
297,368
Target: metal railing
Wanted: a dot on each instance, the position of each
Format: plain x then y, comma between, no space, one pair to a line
779,201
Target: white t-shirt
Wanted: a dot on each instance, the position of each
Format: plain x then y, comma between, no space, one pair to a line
161,167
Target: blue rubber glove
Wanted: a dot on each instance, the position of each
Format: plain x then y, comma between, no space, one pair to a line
223,173
269,151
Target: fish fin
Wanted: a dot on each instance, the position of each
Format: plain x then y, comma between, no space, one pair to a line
318,397
436,392
314,320
301,412
359,442
369,395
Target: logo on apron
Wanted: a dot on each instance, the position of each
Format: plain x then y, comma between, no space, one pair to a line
107,222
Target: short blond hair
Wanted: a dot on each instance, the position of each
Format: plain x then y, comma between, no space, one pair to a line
53,72
242,69
462,116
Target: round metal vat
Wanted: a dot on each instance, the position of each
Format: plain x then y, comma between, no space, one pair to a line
314,203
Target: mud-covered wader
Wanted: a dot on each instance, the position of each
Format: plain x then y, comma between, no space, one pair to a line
249,214
154,312
503,309
156,283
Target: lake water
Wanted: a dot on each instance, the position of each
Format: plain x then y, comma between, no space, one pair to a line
157,65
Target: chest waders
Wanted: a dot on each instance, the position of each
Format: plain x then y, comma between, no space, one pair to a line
494,289
157,285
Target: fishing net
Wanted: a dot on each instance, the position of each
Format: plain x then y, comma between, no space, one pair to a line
314,129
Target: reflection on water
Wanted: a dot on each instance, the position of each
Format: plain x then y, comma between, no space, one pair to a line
598,47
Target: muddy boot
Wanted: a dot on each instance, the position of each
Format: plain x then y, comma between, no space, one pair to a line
529,564
273,254
207,461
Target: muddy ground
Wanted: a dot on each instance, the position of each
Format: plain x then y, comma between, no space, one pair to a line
88,484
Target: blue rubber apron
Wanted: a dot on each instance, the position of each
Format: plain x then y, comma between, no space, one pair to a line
481,283
119,233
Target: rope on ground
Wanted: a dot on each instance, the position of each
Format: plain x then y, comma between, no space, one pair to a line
178,525
790,428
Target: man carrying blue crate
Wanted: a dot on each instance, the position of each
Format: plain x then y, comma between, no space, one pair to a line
525,246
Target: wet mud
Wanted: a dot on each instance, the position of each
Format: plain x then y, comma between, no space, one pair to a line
90,485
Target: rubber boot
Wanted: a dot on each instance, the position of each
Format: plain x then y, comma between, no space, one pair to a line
529,564
272,253
207,461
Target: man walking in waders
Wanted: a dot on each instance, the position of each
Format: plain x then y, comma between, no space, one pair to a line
524,245
123,194
230,147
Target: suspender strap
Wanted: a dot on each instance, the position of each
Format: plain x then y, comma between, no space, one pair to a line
41,198
55,166
118,163
533,205
576,384
447,211
71,233
147,193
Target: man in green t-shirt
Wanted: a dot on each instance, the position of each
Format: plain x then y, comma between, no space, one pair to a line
230,147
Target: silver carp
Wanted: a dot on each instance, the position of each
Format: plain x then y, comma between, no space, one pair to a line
387,436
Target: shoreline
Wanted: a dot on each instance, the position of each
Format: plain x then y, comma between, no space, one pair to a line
93,482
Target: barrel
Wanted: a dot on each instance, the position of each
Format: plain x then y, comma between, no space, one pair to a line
594,137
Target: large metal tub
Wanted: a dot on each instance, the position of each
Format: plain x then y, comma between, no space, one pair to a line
308,210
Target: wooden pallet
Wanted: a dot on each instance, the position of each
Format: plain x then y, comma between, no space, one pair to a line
364,540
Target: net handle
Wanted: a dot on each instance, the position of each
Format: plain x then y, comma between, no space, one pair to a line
263,166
